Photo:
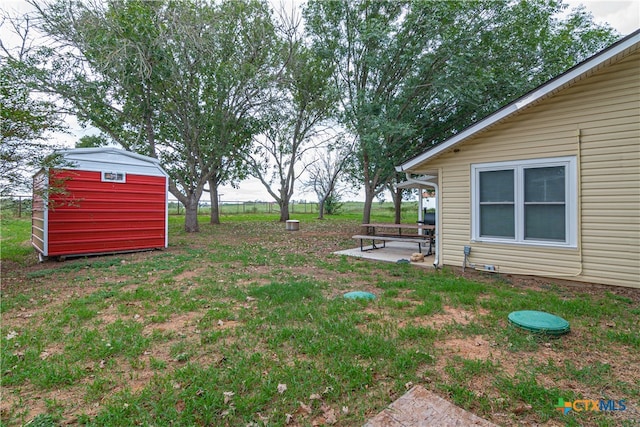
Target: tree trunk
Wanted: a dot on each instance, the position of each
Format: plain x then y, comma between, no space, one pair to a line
215,207
369,194
369,188
284,210
321,208
397,204
191,214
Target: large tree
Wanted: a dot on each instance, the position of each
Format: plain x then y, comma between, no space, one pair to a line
176,80
413,73
292,126
325,176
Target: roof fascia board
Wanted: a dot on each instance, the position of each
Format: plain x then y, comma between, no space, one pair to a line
527,99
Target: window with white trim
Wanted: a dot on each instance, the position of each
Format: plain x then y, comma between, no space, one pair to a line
525,202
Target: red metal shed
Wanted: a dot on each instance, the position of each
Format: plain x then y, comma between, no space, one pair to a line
103,200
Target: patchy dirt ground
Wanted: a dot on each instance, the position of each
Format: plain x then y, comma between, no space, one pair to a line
49,292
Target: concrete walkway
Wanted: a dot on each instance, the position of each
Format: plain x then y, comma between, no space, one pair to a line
393,252
422,408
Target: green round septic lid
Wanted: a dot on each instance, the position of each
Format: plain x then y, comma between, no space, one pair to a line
539,321
359,295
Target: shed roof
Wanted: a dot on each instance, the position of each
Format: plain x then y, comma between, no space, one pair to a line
112,159
611,54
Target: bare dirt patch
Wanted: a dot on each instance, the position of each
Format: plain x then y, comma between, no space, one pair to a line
184,323
454,315
475,347
189,275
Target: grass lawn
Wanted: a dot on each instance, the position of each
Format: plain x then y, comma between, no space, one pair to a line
244,324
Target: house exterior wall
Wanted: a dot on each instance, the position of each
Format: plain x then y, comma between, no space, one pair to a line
597,120
97,217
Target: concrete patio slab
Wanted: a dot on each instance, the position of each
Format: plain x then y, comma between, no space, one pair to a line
421,408
393,252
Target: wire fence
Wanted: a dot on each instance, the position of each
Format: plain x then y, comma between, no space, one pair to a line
239,207
16,205
20,206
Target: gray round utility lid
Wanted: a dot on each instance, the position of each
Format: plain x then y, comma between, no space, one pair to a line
359,295
539,321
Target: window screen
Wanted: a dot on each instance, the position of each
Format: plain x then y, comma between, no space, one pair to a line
544,203
497,207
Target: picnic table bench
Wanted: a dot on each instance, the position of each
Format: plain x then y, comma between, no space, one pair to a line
385,232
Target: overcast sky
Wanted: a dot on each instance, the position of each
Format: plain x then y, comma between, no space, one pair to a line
624,16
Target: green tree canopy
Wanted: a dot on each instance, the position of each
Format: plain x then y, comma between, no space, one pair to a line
413,73
176,80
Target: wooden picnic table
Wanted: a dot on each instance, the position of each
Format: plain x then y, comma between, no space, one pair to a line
376,232
374,228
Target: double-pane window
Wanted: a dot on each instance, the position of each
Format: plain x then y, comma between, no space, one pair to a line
525,202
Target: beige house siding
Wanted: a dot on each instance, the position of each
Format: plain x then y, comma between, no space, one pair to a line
598,121
610,183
